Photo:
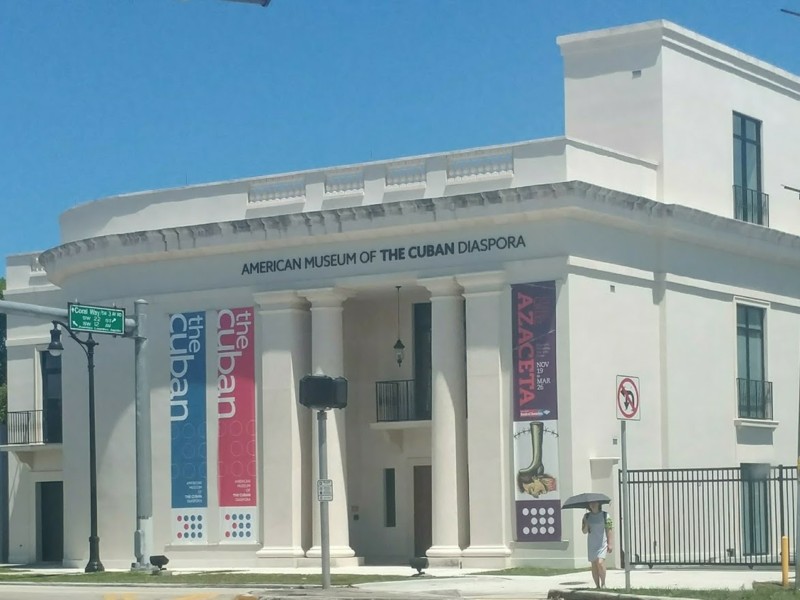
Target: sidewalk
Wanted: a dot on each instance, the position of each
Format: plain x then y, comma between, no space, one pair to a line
468,583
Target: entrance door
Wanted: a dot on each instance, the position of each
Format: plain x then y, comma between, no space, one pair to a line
51,521
423,521
755,509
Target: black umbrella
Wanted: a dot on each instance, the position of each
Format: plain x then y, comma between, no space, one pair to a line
583,500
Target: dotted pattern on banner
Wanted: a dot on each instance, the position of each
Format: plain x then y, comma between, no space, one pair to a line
238,525
539,521
189,527
238,472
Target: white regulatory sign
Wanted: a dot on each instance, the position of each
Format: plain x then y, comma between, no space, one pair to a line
324,490
628,398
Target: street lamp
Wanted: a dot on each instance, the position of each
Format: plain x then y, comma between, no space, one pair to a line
55,348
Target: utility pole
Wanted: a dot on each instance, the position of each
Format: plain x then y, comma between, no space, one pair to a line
143,538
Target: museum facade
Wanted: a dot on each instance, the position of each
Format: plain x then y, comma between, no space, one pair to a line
656,242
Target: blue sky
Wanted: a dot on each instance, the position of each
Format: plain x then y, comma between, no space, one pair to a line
103,97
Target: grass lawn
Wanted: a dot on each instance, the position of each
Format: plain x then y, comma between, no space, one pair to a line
223,577
232,578
761,592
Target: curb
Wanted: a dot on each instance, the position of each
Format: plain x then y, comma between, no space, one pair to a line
558,594
344,593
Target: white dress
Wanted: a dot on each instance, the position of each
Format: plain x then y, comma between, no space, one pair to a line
597,542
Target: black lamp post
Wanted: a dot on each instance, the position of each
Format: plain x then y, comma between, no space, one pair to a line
399,347
55,349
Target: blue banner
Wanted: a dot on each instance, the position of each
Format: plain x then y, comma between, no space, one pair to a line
187,399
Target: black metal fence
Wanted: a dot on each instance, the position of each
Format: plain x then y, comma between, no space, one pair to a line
755,399
25,427
751,205
731,516
396,401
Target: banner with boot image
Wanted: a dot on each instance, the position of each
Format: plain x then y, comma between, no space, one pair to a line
535,406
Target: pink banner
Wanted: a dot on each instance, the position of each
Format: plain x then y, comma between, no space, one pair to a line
236,409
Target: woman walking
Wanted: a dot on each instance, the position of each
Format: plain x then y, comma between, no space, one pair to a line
598,527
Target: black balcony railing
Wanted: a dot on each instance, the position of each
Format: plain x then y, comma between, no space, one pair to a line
396,401
25,427
755,399
751,205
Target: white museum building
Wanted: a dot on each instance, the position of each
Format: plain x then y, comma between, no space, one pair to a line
647,261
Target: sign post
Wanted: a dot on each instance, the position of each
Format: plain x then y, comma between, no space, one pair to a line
627,404
322,393
323,498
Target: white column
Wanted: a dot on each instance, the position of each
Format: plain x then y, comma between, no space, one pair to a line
327,357
448,422
489,422
283,336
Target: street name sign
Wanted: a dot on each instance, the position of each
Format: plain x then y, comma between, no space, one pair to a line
96,319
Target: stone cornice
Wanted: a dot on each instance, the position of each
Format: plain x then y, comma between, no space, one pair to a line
483,282
325,297
571,199
279,301
441,287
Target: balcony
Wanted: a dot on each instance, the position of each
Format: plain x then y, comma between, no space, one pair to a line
755,399
751,206
28,427
399,401
34,437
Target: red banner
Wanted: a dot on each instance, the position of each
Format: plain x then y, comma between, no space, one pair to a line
236,409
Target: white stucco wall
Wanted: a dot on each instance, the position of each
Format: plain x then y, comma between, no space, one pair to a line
660,92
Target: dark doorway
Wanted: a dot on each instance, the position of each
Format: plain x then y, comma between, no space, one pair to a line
51,521
423,521
755,509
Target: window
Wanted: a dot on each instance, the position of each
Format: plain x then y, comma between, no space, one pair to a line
423,389
755,394
51,397
750,203
390,512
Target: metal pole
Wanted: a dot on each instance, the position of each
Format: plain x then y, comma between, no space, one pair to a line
626,508
94,565
47,312
325,540
143,537
32,310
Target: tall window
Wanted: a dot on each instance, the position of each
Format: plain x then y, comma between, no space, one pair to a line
422,360
755,394
389,506
51,397
751,204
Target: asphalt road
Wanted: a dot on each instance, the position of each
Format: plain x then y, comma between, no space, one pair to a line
96,592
